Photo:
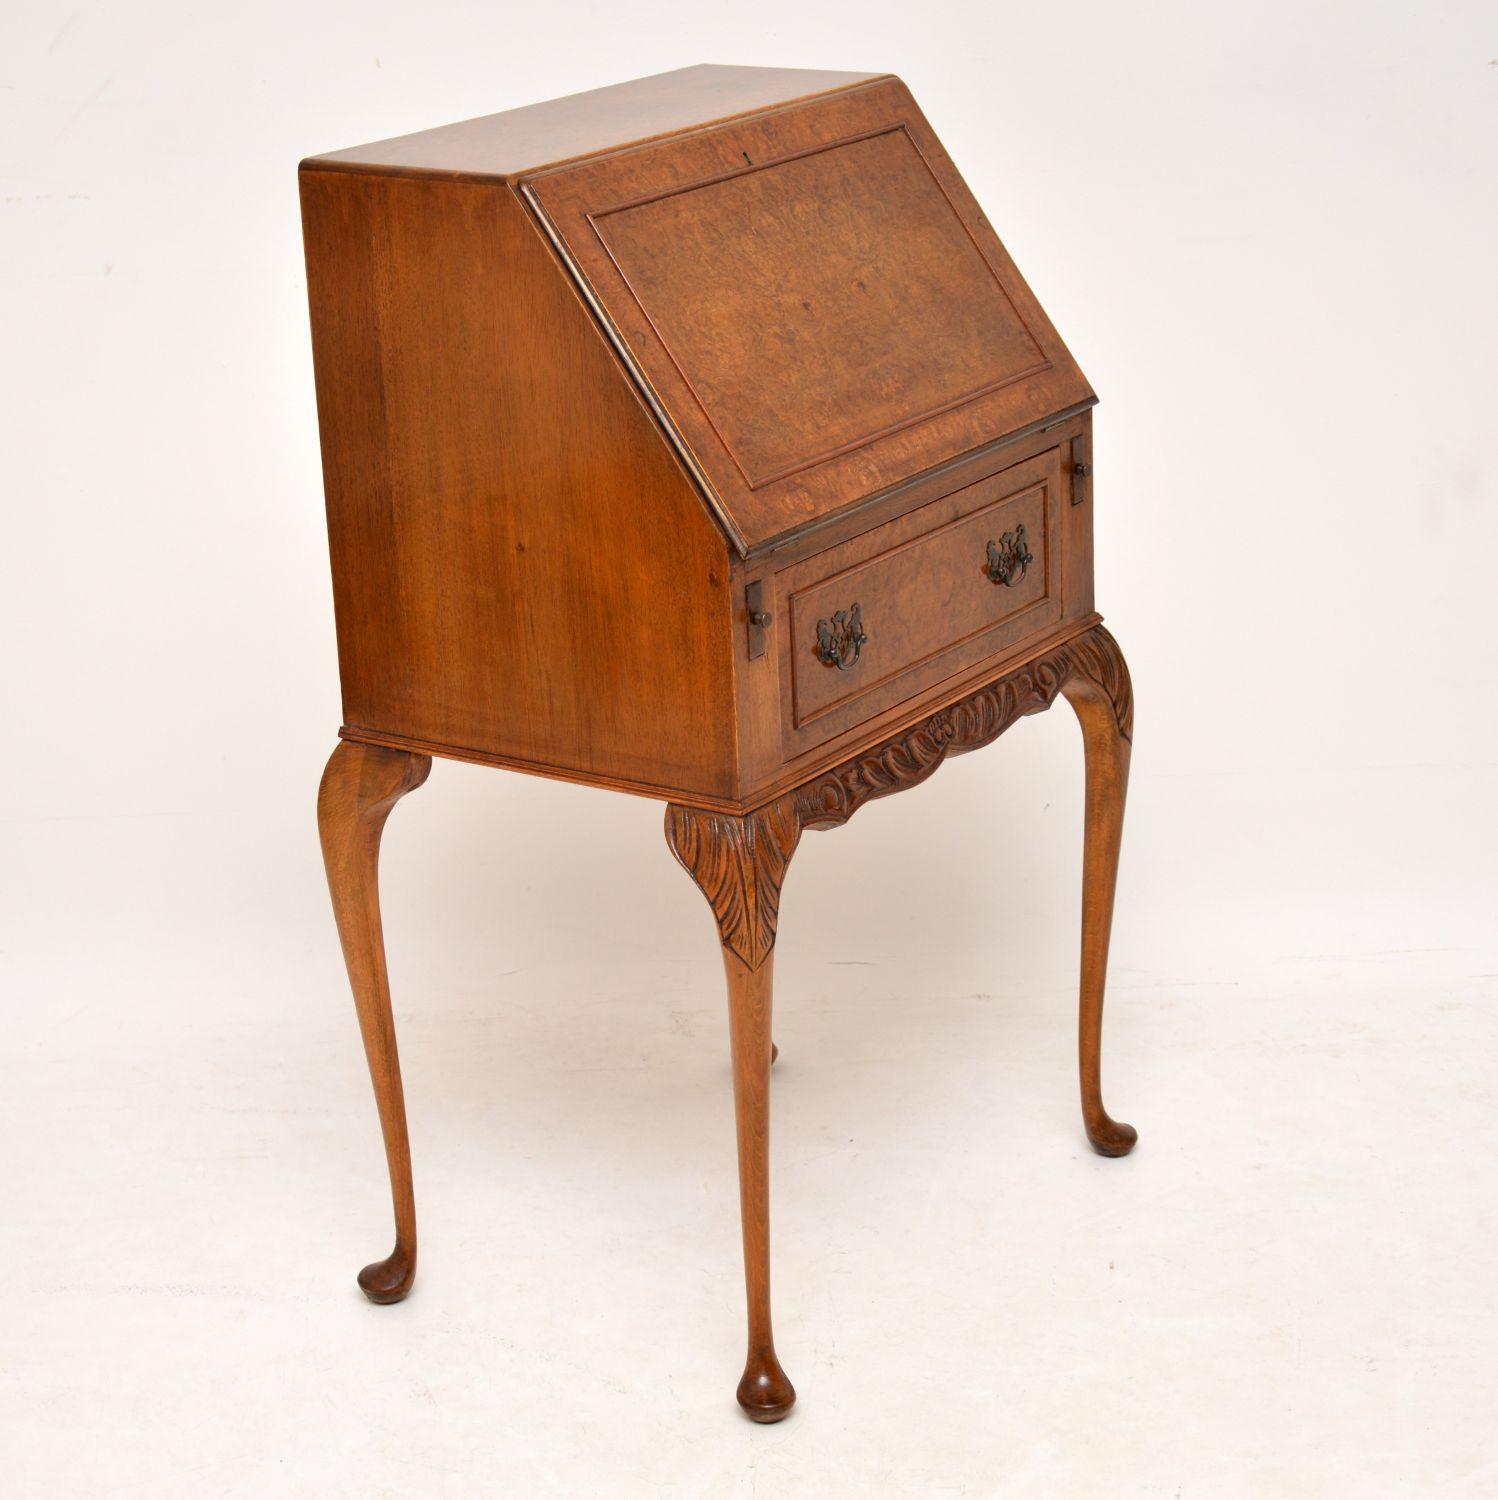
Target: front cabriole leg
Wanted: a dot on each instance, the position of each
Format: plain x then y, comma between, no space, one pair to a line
359,787
739,863
1103,698
1090,671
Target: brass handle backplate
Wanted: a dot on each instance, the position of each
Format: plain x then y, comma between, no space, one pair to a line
840,639
1009,558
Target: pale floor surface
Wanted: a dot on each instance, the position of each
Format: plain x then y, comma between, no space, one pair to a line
1286,1291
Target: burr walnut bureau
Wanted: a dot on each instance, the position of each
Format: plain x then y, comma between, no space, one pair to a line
695,437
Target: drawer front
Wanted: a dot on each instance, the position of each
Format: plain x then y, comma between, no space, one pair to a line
891,613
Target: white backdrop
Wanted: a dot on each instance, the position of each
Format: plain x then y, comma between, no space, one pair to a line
1268,234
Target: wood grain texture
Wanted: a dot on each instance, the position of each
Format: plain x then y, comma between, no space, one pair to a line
928,605
829,257
908,759
765,1391
625,402
360,786
535,136
739,862
814,301
1104,704
774,754
521,567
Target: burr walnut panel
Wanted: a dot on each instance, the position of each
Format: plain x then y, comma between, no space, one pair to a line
811,301
879,619
826,257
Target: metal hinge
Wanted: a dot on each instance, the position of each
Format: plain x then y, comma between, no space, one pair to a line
760,619
1081,471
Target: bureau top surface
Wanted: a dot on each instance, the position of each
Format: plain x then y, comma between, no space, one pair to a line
520,141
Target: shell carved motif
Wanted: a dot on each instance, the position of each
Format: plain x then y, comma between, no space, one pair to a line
739,862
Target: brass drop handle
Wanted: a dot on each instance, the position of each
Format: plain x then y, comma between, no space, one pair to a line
840,639
1009,558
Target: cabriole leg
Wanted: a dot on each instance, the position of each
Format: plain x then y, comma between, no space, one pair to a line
765,1391
739,864
1105,736
359,787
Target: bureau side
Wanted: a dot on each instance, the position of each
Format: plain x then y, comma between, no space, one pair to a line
522,571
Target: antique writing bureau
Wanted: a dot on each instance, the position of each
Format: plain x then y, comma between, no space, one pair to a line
695,437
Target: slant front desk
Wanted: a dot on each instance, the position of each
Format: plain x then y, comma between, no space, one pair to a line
695,437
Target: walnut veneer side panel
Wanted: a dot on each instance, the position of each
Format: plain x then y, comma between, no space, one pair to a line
521,568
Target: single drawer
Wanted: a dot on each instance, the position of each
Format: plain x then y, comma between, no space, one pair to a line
889,614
